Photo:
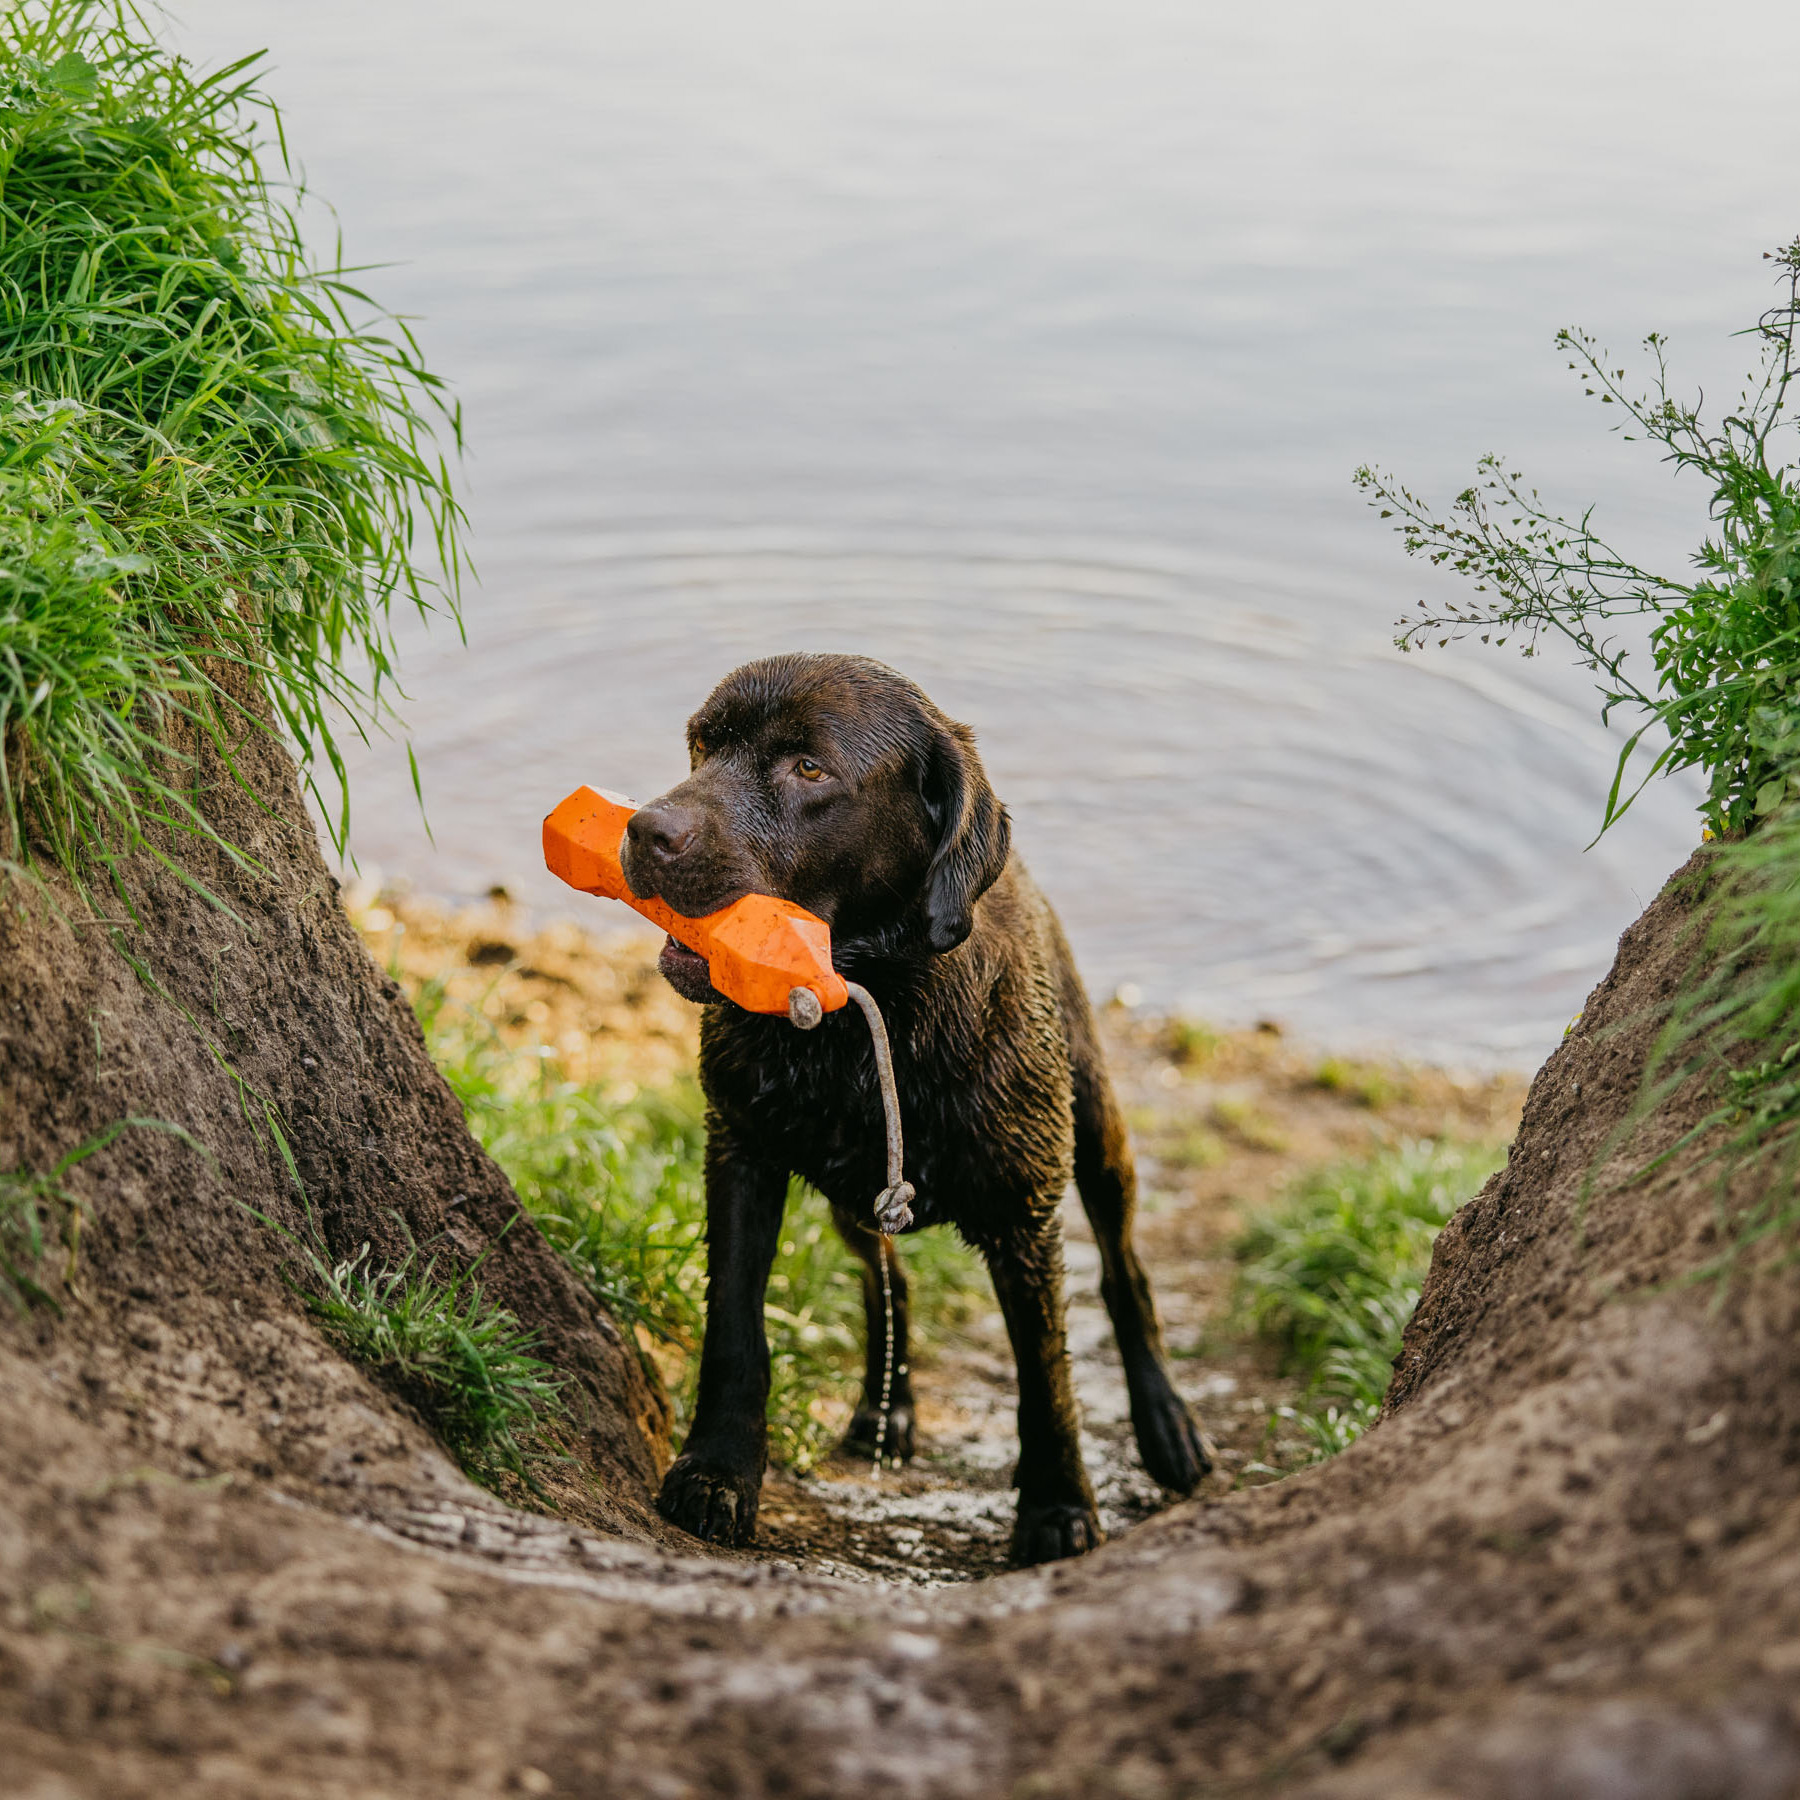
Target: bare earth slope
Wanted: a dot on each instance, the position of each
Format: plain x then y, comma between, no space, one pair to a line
1564,1565
182,1346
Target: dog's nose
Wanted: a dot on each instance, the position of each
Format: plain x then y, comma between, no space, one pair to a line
661,833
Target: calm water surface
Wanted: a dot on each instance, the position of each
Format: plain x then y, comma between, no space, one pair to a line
1030,347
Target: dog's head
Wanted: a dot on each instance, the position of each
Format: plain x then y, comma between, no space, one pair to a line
833,782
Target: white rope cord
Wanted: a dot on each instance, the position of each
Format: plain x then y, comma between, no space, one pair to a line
887,1359
893,1205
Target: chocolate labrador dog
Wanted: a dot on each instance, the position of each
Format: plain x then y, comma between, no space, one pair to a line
833,782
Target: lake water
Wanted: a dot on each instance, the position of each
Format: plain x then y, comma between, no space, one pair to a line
1030,347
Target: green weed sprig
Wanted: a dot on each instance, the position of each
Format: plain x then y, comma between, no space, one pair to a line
38,1210
1725,647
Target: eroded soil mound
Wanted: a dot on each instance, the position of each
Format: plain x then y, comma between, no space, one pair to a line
262,1033
1562,1566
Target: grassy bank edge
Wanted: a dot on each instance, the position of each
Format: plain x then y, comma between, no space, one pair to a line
1330,1273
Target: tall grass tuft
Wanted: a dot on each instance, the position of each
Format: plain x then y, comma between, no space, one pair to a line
1331,1274
218,462
464,1362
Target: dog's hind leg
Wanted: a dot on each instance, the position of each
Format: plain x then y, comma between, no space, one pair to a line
871,1248
1168,1436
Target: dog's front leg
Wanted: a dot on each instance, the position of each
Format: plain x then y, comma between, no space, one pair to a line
712,1488
1057,1516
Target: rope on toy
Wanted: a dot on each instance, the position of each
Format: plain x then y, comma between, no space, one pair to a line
893,1205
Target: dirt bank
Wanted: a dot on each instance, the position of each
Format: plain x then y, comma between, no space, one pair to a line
260,1033
1562,1566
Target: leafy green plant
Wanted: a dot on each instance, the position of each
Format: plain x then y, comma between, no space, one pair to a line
1331,1274
1725,647
216,474
616,1185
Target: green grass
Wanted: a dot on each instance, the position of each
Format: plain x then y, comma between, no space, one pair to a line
1190,1043
1243,1121
36,1212
436,1339
1193,1147
1368,1084
1331,1274
217,462
616,1186
1734,1028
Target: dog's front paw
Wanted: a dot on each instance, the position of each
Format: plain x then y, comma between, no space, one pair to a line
1170,1442
1049,1532
710,1502
865,1429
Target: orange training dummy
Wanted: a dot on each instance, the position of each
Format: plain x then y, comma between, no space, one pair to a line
768,955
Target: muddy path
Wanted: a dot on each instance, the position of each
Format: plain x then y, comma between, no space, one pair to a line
947,1515
1221,1123
1217,1135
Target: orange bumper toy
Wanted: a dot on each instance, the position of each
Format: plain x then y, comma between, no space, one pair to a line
768,955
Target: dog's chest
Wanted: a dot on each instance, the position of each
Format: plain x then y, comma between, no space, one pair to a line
821,1115
979,1135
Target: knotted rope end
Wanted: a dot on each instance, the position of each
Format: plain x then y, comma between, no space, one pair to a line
893,1208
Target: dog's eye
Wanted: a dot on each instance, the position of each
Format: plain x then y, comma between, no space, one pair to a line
812,771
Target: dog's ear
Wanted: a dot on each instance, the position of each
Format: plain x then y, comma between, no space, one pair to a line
974,836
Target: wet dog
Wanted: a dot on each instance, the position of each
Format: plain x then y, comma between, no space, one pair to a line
833,782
